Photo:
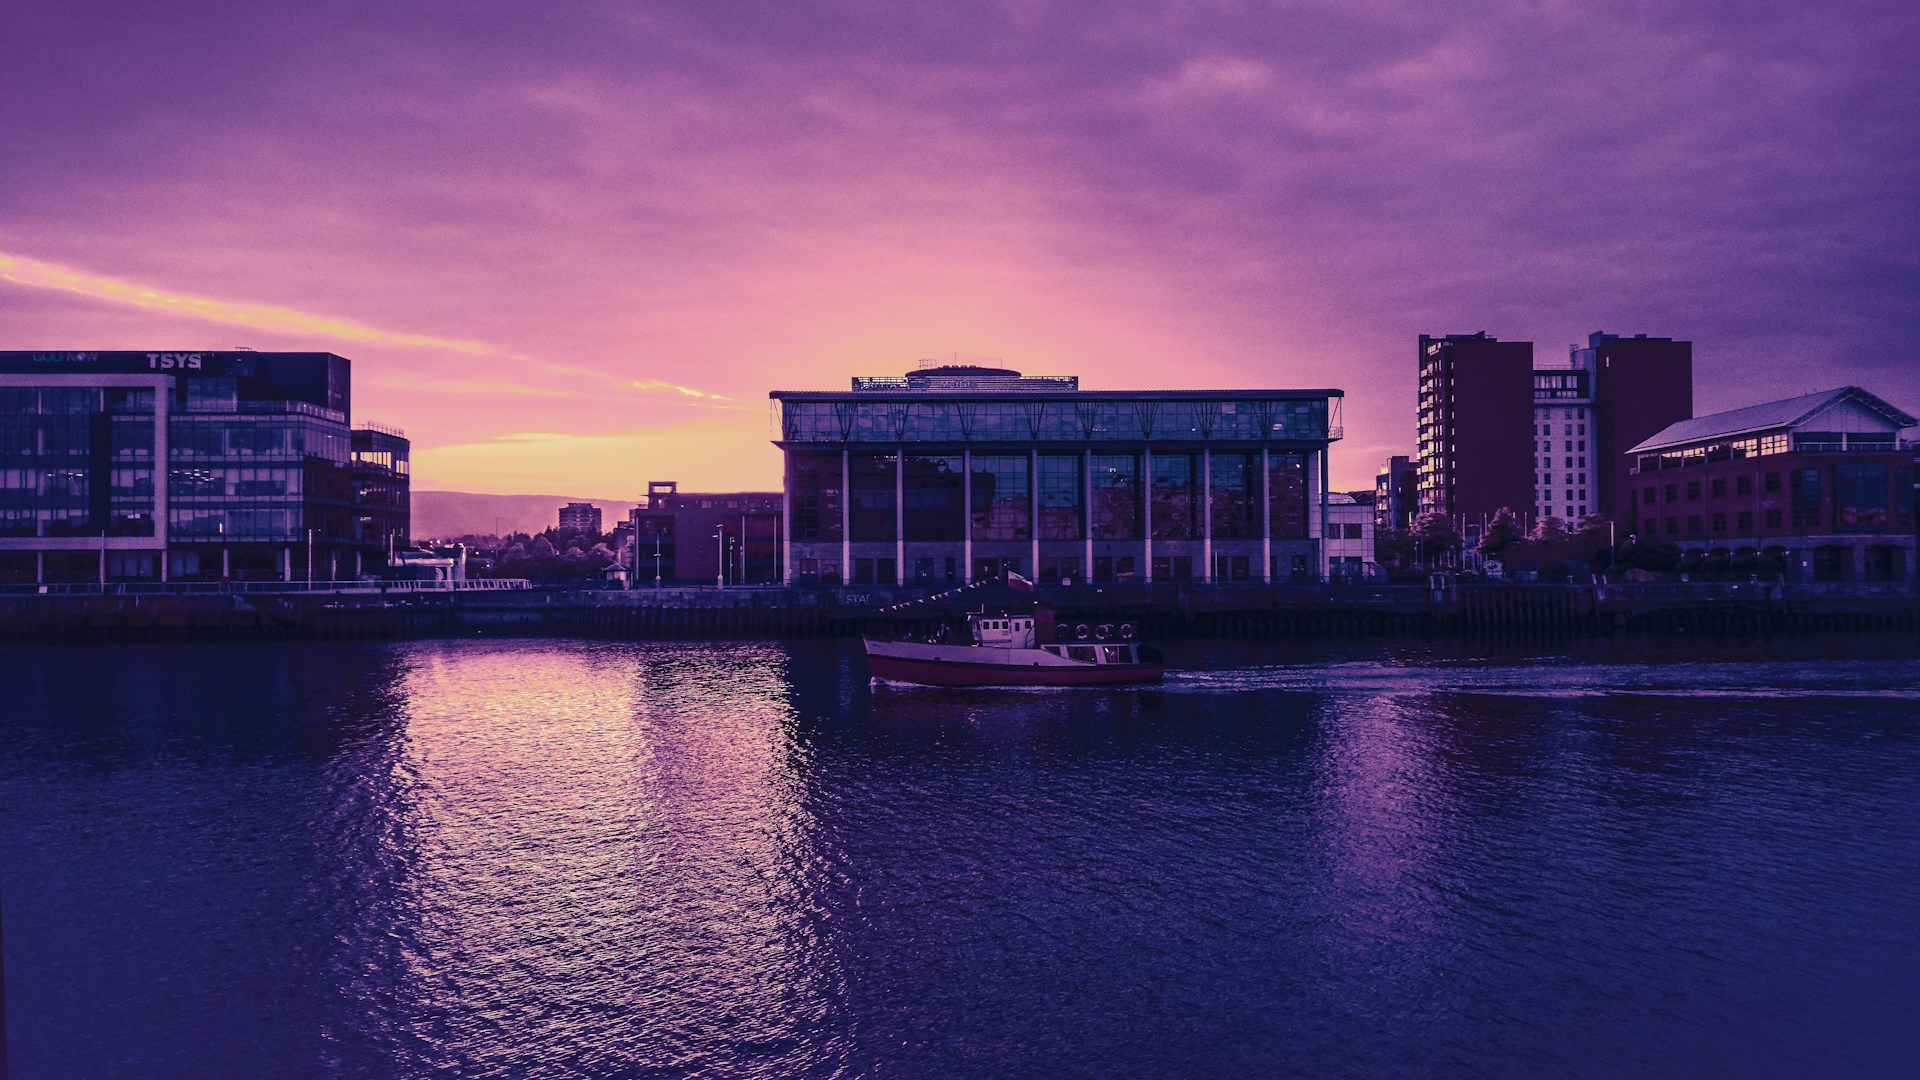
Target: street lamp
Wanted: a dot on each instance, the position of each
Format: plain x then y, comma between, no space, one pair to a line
656,559
720,547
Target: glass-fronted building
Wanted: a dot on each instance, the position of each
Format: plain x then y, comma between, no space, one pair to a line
955,473
183,466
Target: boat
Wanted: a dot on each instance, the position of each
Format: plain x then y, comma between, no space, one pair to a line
1018,649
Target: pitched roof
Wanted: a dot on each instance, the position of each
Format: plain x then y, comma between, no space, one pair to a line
1765,417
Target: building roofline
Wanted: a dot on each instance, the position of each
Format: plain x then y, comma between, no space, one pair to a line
1821,400
1062,395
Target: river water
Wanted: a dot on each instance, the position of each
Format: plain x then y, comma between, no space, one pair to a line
558,858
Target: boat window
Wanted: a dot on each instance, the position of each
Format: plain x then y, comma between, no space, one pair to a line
1054,649
1082,653
1115,654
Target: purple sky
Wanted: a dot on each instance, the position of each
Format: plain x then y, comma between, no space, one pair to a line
571,246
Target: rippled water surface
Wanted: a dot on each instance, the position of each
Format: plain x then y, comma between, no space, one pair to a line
549,858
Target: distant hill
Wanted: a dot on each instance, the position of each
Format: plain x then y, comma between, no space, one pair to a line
439,515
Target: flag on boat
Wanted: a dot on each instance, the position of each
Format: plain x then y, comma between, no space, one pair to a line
1018,583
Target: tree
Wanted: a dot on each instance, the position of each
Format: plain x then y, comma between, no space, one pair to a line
1549,530
1434,535
1501,533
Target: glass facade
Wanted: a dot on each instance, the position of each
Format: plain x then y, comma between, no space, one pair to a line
76,461
1069,418
1176,497
1235,493
1060,486
1116,496
872,496
935,505
1000,497
199,454
813,486
982,456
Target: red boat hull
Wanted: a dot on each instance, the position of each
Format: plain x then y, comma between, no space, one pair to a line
952,673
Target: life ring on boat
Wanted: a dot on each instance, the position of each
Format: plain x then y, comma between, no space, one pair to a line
1126,631
1103,631
1080,631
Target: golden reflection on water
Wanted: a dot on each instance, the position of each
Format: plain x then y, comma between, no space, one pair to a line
604,837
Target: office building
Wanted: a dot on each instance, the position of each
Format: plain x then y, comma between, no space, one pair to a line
1823,481
382,487
1475,454
1348,551
582,516
1394,494
172,466
957,472
1567,486
687,538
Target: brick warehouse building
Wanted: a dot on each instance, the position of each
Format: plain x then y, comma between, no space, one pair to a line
1823,480
957,472
688,537
190,466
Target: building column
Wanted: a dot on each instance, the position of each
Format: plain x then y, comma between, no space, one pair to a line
1033,510
1266,515
103,566
226,563
1206,511
286,564
1146,513
786,522
900,517
162,556
39,568
966,515
333,564
1322,532
1086,513
846,517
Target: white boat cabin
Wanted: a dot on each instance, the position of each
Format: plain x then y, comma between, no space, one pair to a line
1002,631
1019,632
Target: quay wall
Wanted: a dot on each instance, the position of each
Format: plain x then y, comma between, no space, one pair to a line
1159,612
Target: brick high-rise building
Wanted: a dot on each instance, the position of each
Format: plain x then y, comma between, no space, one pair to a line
1475,442
1641,385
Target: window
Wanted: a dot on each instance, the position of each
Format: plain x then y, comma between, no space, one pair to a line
1719,488
1000,509
1773,519
1693,524
1743,485
1673,492
1116,497
1719,523
1806,498
1860,496
1648,526
1772,482
1175,497
1744,521
1693,489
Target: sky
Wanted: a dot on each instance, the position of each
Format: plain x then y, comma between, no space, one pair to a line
570,247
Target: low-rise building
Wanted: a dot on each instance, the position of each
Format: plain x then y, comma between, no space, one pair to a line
960,472
1349,538
705,538
1824,482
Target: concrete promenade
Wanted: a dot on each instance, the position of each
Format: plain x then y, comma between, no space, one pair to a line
353,610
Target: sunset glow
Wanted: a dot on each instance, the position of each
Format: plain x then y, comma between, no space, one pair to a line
626,226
